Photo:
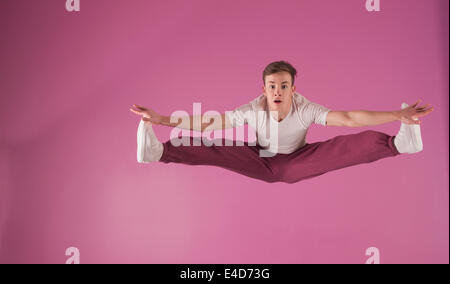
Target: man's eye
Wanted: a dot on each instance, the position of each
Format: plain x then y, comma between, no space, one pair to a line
272,86
284,86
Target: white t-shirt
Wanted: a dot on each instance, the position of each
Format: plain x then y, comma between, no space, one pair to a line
292,129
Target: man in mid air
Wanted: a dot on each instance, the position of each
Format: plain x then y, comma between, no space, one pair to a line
292,159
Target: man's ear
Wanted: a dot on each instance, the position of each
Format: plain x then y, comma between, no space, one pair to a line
264,90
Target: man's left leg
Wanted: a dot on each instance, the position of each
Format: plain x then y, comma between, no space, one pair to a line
339,152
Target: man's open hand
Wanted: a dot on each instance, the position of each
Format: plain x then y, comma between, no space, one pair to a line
148,115
411,114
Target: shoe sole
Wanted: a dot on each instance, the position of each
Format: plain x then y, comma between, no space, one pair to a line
140,142
417,139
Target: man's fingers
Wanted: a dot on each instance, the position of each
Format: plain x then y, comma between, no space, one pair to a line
414,105
424,106
140,107
136,112
425,112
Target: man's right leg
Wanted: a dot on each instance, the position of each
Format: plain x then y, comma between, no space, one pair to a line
244,159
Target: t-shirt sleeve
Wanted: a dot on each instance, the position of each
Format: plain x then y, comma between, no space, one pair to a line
240,115
314,113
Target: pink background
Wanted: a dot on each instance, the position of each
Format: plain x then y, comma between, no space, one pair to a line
68,169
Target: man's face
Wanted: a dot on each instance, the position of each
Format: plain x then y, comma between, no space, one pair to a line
279,91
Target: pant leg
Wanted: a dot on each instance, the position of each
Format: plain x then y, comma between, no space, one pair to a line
244,159
339,152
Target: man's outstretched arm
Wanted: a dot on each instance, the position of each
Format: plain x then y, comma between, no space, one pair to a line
359,118
196,123
205,122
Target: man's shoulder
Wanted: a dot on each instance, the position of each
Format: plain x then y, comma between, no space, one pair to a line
299,99
259,103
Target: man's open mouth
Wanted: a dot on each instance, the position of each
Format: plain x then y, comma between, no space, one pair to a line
277,101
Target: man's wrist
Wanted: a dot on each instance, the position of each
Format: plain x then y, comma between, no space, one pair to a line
165,120
396,114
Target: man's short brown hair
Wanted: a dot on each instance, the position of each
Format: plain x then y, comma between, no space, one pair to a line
279,66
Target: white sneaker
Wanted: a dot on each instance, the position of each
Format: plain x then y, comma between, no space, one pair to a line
149,149
408,139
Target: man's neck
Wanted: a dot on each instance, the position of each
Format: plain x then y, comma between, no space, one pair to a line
282,113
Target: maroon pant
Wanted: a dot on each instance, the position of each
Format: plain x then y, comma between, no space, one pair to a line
309,161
